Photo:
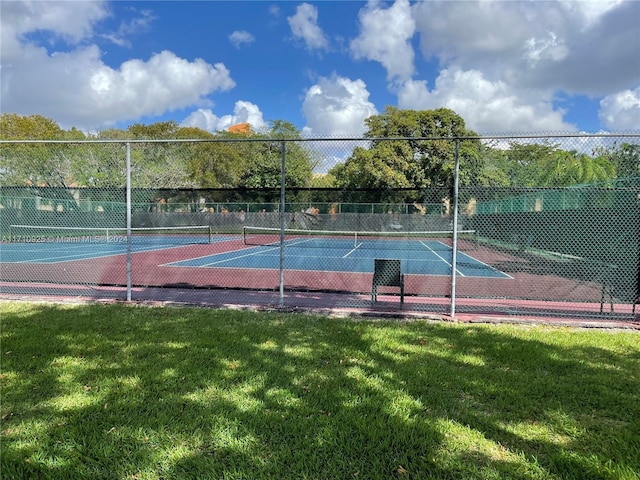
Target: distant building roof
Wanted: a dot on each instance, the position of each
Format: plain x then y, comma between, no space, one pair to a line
240,128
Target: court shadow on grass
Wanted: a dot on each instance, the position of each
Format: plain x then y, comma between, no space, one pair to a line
120,392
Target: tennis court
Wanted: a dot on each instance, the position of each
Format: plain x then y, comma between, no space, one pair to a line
421,253
194,257
237,267
49,245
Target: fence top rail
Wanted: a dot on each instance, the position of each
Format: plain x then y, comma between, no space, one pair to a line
328,139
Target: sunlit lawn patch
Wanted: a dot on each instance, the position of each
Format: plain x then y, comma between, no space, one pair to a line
122,392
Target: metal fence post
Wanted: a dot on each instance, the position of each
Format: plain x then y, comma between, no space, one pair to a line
454,245
128,207
282,221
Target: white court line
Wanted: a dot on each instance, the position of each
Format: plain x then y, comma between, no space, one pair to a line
85,256
258,251
352,250
458,272
225,260
16,248
66,258
486,265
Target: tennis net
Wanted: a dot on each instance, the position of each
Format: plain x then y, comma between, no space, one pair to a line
177,235
419,240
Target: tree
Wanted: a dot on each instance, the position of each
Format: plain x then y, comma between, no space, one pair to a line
103,164
249,160
326,180
588,169
33,127
384,167
156,131
546,165
625,158
494,171
46,164
414,149
264,161
215,164
158,164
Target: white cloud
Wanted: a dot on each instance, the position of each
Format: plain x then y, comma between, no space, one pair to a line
549,48
71,22
240,37
621,111
487,106
498,64
78,89
134,26
475,33
70,25
385,36
337,106
243,112
75,87
571,46
590,10
304,25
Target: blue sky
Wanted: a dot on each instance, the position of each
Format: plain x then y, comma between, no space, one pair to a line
504,66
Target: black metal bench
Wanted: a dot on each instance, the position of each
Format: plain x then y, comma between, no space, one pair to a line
387,273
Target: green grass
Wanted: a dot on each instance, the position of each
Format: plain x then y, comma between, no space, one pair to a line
125,392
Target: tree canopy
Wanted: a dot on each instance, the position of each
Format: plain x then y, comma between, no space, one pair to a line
546,165
221,160
416,149
412,149
401,149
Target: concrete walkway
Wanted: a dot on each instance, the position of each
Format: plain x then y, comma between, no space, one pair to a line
586,315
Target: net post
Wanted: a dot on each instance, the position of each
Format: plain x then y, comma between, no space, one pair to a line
210,232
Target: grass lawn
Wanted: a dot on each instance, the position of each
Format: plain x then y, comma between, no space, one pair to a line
130,392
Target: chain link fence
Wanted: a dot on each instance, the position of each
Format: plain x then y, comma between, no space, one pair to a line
494,229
